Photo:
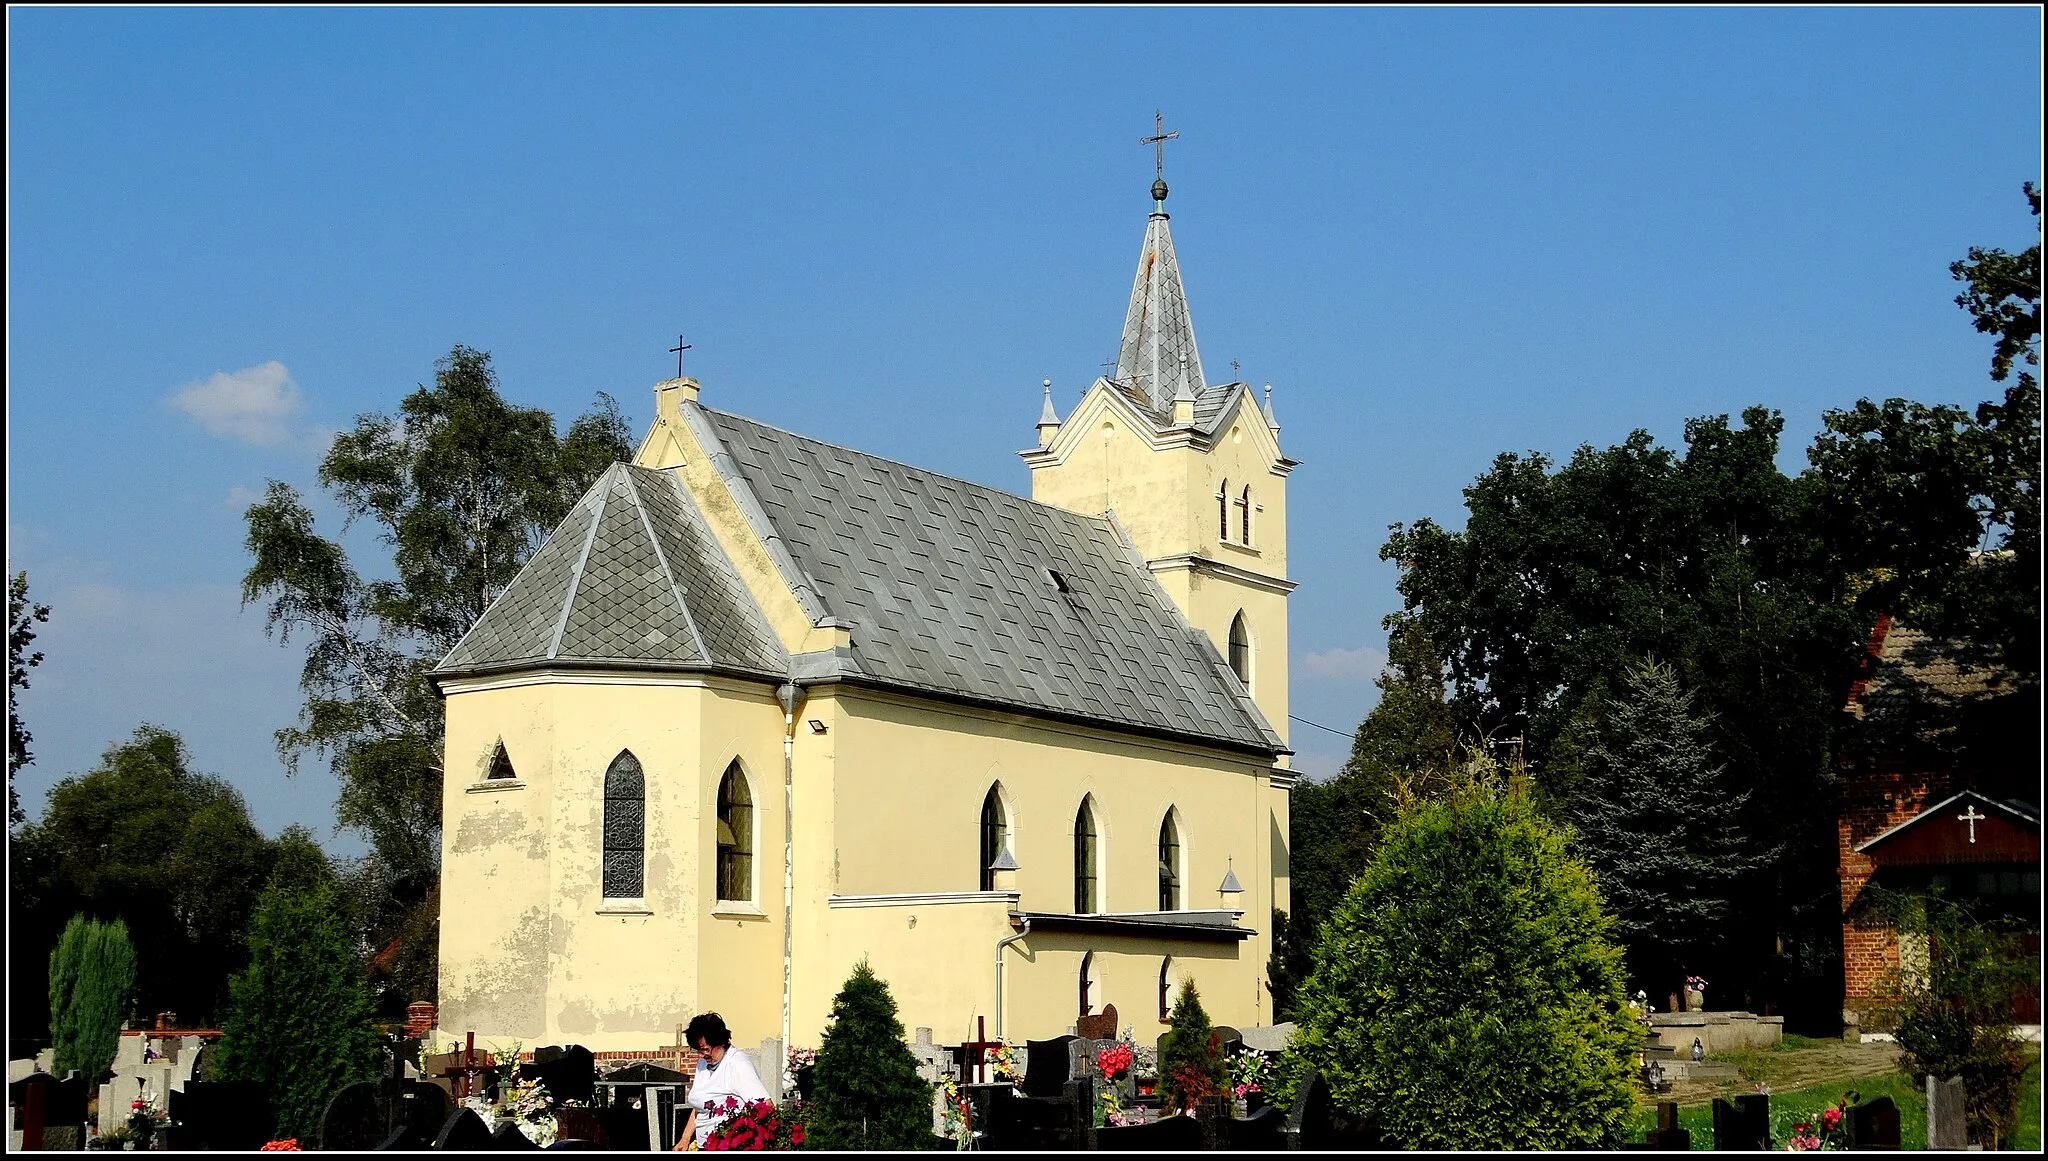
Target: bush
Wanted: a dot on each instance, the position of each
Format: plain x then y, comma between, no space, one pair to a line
1190,1059
92,977
299,1016
1467,993
1955,1018
866,1091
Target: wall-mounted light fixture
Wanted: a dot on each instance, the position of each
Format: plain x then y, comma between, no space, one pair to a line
817,727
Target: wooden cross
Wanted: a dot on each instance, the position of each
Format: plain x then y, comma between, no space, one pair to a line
1158,142
977,1051
677,351
1970,815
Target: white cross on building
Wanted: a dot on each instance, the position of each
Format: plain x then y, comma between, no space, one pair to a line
1971,816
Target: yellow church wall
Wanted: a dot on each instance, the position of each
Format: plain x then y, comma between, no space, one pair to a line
1044,997
529,948
907,782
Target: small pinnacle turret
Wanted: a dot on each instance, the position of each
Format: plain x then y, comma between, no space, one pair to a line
1048,419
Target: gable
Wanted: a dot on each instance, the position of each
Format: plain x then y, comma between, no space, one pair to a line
1994,832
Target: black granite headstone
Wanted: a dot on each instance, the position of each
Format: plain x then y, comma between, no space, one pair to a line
1872,1124
1743,1122
507,1138
1047,1066
570,1074
220,1114
464,1132
1315,1122
1262,1131
370,1114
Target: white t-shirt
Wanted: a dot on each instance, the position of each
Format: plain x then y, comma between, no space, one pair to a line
734,1076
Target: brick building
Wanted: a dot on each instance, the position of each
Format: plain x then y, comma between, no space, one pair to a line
1939,791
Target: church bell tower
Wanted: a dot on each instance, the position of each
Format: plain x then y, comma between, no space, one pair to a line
1193,472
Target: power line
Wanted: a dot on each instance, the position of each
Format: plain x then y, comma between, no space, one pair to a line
1320,726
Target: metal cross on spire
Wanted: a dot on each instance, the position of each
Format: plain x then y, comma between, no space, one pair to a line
677,351
1158,142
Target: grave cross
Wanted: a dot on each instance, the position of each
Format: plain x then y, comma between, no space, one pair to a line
977,1051
1970,815
677,351
1158,142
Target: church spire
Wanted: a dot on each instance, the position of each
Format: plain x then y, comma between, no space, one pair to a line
1157,361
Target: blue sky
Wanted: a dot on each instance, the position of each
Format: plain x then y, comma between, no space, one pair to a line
1439,233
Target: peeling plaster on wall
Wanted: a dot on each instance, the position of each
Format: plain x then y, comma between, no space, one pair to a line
503,992
482,830
576,1017
663,889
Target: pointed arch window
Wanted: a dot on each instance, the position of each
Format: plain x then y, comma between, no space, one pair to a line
501,765
1244,517
1165,989
1223,511
625,828
1085,858
995,836
1169,864
735,837
1087,985
1240,650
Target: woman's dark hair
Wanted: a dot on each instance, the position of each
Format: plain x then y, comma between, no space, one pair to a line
710,1029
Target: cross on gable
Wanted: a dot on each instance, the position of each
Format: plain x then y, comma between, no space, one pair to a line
1970,816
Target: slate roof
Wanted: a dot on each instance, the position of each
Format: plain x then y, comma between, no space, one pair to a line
949,588
1906,664
1157,362
633,576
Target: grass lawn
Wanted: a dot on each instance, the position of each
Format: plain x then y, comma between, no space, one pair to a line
1807,1076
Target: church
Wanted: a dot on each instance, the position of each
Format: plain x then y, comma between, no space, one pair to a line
763,707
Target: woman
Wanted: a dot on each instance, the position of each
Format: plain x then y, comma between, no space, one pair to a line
720,1074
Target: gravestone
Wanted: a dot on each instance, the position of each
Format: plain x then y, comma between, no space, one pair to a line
580,1125
1315,1122
570,1074
221,1114
935,1062
1102,1027
386,1114
1005,1120
1668,1134
1872,1124
1175,1134
1048,1065
1263,1131
1947,1127
464,1132
51,1112
507,1138
1743,1122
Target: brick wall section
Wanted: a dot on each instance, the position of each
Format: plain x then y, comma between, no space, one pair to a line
1872,803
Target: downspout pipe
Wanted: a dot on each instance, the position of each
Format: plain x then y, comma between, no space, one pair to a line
789,694
1000,945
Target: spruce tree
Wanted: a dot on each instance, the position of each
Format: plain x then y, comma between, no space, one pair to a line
1190,1063
867,1091
92,978
299,1018
1661,826
1467,993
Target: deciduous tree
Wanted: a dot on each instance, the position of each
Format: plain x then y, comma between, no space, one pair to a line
23,615
462,487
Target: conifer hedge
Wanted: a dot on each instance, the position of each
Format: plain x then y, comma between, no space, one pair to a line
1468,993
92,978
1190,1061
299,1018
866,1093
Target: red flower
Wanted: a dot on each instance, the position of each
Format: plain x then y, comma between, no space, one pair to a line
796,1135
1831,1118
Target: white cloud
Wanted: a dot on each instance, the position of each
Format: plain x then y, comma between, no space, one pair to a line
1362,663
255,404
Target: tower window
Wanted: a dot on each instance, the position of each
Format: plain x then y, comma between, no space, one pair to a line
1241,651
1084,859
625,828
735,836
1169,864
995,836
1223,511
1244,517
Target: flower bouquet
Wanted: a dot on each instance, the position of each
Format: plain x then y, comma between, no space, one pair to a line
1115,1063
1829,1130
753,1125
